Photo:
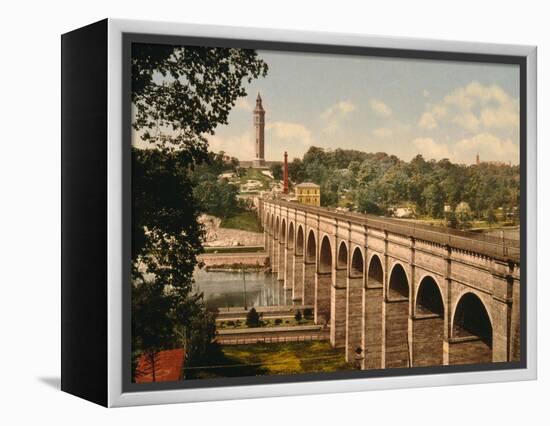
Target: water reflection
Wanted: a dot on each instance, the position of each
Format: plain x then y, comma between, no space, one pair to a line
227,289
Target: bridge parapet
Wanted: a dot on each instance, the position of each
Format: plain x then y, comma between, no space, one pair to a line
485,245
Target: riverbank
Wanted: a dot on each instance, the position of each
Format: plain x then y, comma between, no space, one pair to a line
218,236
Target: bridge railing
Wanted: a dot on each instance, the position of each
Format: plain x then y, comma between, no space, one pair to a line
502,248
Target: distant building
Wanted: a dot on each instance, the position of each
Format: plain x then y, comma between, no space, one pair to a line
308,193
259,126
402,212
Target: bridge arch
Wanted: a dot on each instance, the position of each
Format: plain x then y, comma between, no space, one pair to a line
323,282
429,299
276,233
311,247
290,241
398,285
375,270
471,331
428,324
342,258
471,318
283,231
325,255
310,261
357,264
373,318
300,240
397,319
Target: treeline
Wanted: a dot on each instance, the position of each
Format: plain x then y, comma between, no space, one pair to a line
377,182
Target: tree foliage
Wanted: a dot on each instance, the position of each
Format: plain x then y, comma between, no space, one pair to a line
276,171
188,89
253,318
179,94
376,182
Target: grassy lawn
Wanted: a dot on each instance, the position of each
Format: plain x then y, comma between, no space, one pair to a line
244,220
273,358
255,174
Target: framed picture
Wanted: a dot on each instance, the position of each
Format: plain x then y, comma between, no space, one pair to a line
251,213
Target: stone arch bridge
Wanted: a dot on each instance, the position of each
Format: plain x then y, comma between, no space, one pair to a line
397,294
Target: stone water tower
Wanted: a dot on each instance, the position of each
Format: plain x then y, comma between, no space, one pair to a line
259,125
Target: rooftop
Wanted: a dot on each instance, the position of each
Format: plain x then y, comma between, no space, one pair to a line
307,185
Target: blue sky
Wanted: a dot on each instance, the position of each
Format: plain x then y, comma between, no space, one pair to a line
439,109
400,106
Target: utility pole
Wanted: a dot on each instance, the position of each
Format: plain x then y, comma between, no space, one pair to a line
244,289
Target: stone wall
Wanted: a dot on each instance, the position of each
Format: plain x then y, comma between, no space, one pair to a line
427,347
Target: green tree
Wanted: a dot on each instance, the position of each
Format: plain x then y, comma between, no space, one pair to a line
152,328
180,93
434,197
253,318
490,215
463,215
451,220
276,171
296,172
217,197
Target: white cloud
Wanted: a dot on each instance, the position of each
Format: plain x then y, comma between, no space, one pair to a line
427,121
489,147
430,149
503,117
382,133
280,136
286,136
338,109
467,120
240,146
335,114
243,104
380,108
474,107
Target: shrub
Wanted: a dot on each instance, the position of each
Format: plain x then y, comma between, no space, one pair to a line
278,321
298,316
252,318
230,323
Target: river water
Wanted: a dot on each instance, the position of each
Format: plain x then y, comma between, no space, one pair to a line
228,289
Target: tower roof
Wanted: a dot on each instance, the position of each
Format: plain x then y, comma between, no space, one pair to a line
259,106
